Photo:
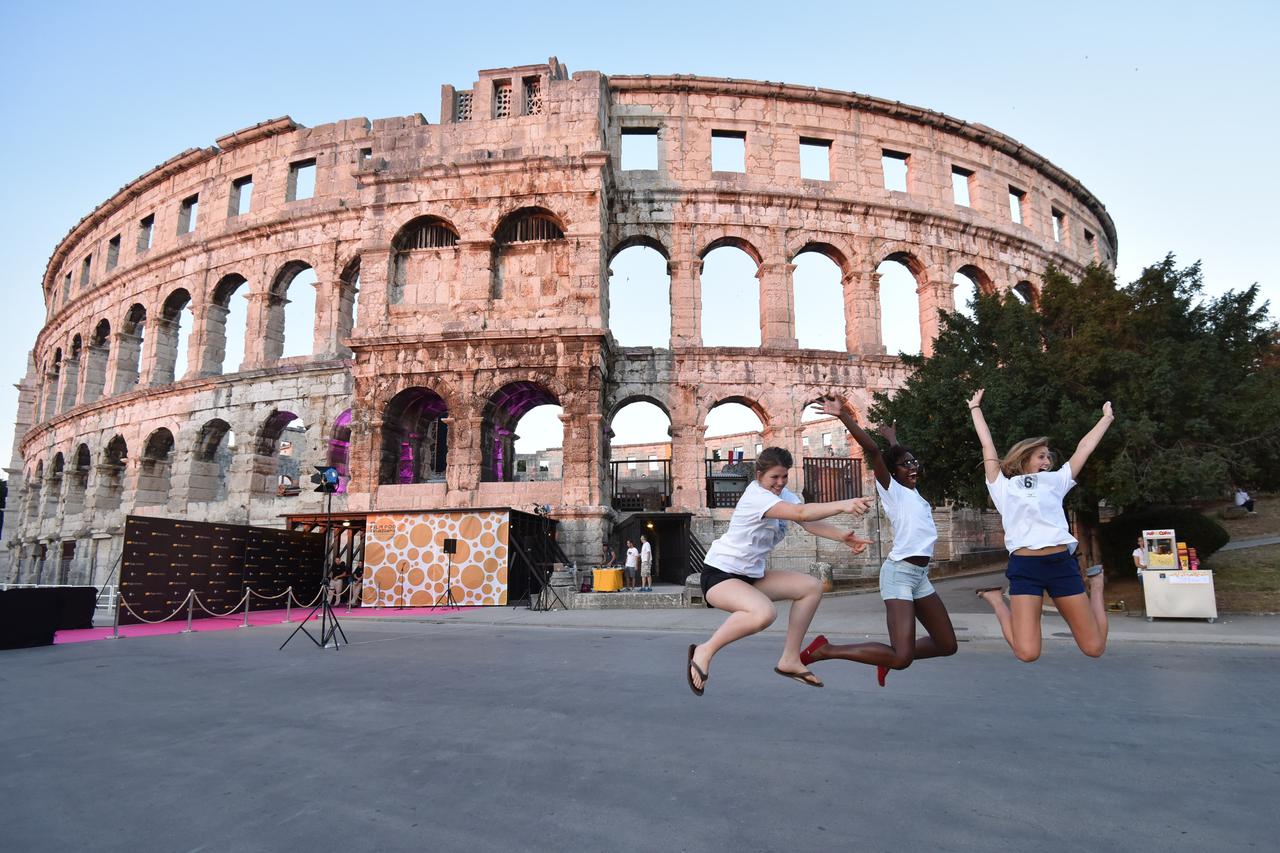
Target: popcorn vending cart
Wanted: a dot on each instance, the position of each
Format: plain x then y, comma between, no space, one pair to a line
1171,587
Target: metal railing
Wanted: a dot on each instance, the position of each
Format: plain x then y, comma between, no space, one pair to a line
641,488
726,481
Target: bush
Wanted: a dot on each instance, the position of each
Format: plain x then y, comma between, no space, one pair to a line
1119,537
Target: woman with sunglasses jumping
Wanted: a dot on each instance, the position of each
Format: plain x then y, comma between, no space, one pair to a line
904,578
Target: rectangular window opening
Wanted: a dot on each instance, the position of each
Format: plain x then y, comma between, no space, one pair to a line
1016,197
896,167
187,213
85,269
241,196
631,463
728,151
113,252
302,180
462,106
66,289
826,439
653,462
366,154
146,228
804,441
502,99
532,96
639,148
1091,242
815,159
960,186
1059,225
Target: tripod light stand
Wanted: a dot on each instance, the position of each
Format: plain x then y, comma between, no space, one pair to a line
326,480
450,548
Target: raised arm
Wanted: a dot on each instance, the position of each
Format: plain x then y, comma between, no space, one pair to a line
990,461
816,512
839,406
1089,443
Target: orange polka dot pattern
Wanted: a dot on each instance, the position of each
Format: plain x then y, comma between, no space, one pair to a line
405,564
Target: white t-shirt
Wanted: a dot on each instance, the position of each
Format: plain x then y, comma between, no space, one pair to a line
633,557
912,518
646,554
1030,508
1242,497
744,547
1140,559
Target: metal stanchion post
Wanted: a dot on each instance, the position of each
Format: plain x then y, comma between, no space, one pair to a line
115,619
248,593
288,603
191,606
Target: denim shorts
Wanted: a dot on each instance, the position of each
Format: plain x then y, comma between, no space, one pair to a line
906,581
1057,574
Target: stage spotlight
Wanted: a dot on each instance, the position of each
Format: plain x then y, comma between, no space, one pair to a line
325,478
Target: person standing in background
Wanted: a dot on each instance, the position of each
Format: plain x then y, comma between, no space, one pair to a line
646,564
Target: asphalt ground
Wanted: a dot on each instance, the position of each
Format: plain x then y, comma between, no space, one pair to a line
447,736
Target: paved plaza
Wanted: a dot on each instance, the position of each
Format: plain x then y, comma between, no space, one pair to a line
451,735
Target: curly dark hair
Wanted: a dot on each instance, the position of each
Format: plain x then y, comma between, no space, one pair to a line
896,454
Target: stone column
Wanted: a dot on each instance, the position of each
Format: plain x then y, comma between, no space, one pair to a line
935,296
71,383
463,471
583,459
477,270
777,306
95,372
862,313
688,467
375,262
163,356
212,358
328,318
686,303
258,350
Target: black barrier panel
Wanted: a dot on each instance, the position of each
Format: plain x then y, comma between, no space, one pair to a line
29,617
164,558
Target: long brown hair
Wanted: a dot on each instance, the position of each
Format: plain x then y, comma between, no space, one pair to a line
1011,464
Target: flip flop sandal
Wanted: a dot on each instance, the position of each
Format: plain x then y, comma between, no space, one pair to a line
1093,571
881,672
802,677
690,669
979,592
806,655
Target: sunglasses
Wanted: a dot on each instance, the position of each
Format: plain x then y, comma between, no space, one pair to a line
910,464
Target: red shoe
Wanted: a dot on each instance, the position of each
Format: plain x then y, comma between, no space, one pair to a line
881,672
806,656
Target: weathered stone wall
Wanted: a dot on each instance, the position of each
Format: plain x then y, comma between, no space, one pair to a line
525,203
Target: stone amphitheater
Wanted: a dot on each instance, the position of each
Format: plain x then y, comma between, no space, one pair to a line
461,278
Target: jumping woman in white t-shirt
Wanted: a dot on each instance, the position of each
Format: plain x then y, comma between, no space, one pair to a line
1029,496
904,578
734,578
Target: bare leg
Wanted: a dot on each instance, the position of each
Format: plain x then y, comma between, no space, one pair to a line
805,594
1086,615
1020,625
901,618
933,615
750,612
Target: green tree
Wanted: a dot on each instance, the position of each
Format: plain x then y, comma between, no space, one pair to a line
1197,401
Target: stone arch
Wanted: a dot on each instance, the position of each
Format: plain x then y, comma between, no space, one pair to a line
841,256
280,451
639,293
212,455
71,373
348,300
339,455
969,282
730,279
503,410
639,453
53,381
1027,293
96,359
900,308
172,338
529,224
53,488
424,261
727,476
756,406
285,326
155,468
115,457
78,479
981,280
35,490
647,241
628,398
817,284
131,336
529,251
225,323
415,438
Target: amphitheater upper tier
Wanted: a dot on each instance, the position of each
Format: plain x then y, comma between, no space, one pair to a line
461,276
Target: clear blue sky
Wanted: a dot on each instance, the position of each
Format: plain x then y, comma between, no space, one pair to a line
1167,111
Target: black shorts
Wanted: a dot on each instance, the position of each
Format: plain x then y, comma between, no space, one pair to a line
712,576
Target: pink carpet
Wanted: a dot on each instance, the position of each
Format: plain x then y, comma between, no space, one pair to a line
230,623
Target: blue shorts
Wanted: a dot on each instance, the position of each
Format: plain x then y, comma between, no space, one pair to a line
1057,574
904,581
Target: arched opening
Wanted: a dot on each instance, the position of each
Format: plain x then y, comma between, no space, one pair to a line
78,480
640,297
730,297
291,313
415,438
348,301
340,449
71,370
829,465
424,261
173,334
129,353
527,244
95,368
111,474
155,469
226,319
35,491
640,457
52,382
211,460
53,488
900,304
970,282
1026,293
521,435
819,301
734,435
280,453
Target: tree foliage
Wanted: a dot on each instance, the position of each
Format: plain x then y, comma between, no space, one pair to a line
1194,381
